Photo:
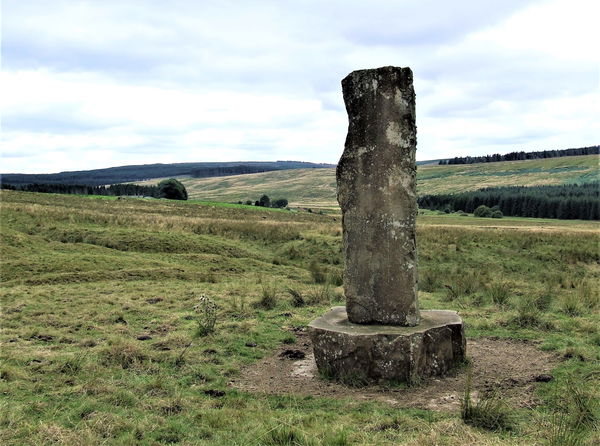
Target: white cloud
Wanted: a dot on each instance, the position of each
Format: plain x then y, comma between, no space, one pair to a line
90,84
563,30
166,124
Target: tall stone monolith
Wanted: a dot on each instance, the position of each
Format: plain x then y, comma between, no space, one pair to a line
380,335
376,179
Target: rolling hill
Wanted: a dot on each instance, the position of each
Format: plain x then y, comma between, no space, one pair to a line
316,187
140,172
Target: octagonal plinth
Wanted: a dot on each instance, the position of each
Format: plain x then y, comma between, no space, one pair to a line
387,353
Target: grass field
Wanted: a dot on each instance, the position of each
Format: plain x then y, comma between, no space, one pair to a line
102,344
316,187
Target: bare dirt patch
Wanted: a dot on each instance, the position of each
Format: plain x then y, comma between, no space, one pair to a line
507,366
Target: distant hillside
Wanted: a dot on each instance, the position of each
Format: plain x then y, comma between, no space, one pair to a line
143,172
314,187
317,187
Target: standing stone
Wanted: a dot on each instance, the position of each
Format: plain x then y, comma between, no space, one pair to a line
380,336
376,179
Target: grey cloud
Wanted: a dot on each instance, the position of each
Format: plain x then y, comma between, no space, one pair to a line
15,155
213,43
512,141
266,149
422,23
49,122
525,79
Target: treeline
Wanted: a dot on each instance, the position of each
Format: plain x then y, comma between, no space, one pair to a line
517,156
240,169
266,202
82,189
568,202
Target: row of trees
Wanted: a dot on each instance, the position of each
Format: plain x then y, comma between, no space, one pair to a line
516,156
82,189
486,212
171,189
565,202
241,169
266,202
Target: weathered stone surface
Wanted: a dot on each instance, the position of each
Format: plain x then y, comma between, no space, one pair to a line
376,179
383,353
381,335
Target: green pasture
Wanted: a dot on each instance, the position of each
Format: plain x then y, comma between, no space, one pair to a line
100,339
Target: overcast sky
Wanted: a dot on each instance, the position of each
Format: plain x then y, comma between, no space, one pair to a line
100,83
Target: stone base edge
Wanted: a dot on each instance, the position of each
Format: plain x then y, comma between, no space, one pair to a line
362,354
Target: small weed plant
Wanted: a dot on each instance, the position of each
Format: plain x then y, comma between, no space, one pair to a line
206,315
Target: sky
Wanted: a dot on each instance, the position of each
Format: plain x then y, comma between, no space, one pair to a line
93,84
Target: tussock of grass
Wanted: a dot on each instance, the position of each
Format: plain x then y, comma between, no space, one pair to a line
297,300
571,305
528,315
499,293
268,299
429,280
283,435
317,272
124,354
575,416
320,294
488,412
588,295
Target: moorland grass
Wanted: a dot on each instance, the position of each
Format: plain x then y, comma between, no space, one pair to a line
100,341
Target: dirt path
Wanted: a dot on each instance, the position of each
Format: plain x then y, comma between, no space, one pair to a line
511,367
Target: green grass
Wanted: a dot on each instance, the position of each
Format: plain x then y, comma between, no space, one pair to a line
316,188
100,341
488,412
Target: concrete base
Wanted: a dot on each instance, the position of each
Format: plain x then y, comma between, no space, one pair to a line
360,354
